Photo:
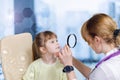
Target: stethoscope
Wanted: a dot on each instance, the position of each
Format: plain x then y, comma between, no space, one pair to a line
107,58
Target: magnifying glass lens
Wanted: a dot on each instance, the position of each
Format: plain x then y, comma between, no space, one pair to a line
72,40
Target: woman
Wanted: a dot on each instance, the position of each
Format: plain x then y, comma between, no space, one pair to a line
102,35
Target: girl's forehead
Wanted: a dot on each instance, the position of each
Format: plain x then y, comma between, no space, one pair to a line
52,38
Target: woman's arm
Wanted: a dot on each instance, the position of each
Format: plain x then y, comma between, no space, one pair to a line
66,59
71,75
85,70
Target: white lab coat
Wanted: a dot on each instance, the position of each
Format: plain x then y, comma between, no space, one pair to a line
107,70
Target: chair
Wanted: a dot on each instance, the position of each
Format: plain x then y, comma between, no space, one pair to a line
16,55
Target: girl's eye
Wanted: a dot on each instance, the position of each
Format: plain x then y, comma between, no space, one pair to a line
52,41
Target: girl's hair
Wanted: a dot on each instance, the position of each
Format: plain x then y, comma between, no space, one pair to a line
39,41
101,25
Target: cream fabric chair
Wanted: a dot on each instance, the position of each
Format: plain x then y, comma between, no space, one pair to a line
0,51
16,55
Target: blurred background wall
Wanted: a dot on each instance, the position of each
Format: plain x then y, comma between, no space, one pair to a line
63,17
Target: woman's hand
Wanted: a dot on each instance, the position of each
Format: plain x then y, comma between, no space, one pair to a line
65,56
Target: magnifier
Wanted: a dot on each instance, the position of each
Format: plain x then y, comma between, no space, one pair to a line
71,40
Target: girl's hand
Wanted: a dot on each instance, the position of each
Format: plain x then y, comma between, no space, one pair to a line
65,56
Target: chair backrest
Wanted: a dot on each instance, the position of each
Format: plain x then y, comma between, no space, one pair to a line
0,51
16,55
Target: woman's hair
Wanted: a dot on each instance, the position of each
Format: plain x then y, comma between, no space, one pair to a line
39,41
101,25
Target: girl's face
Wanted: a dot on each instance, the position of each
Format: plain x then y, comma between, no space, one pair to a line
52,45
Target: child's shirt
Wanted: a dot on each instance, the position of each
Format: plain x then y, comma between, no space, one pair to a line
38,70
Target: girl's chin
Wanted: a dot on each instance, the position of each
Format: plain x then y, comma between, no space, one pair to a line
57,51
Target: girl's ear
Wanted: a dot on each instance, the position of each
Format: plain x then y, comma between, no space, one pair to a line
43,50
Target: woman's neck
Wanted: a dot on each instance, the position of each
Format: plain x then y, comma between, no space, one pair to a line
108,48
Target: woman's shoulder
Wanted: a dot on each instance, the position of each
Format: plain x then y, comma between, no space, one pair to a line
111,65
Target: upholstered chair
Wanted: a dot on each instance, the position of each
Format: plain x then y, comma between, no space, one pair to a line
16,55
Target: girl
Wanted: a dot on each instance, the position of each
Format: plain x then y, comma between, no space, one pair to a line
102,34
47,66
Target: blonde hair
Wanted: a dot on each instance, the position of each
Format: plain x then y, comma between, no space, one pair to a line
100,25
40,41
